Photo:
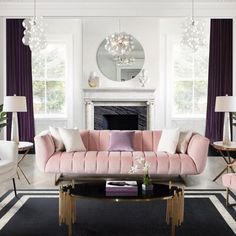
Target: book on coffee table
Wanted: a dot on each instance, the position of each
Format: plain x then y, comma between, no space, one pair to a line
121,188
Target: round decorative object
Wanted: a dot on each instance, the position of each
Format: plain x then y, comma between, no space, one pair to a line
93,80
119,44
120,57
34,35
143,77
193,34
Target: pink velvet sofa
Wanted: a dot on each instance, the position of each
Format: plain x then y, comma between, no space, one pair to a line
98,161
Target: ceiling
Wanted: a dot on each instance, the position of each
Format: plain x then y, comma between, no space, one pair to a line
127,1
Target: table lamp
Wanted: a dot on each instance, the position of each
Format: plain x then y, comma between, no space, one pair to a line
226,104
14,104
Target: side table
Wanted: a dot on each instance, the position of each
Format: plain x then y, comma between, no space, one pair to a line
227,158
24,147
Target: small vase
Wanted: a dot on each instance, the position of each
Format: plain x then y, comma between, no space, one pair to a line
147,188
147,183
93,80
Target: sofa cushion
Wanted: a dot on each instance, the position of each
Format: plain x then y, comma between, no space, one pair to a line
59,145
72,140
121,141
184,138
168,141
112,163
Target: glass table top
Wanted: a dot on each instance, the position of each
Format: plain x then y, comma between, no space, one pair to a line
98,190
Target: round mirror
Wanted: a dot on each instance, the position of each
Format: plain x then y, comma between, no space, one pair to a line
120,57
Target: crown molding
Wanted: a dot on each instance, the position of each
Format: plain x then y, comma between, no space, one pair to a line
112,9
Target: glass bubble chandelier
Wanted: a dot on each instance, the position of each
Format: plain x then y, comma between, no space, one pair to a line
193,32
34,35
119,44
124,60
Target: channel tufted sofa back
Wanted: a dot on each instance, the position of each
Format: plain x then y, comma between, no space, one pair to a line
98,140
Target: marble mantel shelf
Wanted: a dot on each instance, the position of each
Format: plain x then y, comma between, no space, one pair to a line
125,89
119,94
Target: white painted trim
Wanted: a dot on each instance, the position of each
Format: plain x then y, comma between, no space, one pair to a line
134,9
119,97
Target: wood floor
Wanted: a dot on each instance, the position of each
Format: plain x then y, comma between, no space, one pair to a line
39,180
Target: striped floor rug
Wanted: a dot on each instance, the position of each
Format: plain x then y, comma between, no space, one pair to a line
35,213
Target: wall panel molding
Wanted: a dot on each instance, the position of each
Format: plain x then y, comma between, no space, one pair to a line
82,9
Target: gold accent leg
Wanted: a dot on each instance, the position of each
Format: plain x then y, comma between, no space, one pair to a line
175,210
61,206
225,169
73,210
168,211
69,214
23,174
57,179
17,175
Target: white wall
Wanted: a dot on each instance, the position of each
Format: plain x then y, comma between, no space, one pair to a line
170,28
145,30
87,33
71,29
87,36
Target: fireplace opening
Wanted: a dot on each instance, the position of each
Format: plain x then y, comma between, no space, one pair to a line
120,117
120,122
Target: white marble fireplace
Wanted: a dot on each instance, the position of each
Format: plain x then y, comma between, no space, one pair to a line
119,97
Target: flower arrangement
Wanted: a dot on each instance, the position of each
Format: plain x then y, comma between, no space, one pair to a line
142,165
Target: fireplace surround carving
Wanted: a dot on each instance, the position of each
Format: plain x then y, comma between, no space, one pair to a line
120,97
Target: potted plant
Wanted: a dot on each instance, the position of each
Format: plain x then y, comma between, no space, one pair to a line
143,165
3,118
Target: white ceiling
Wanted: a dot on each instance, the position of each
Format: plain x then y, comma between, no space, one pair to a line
127,1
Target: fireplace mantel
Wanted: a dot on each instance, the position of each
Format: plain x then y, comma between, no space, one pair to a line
118,97
119,94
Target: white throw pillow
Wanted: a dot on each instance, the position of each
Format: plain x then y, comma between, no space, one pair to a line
184,138
59,145
72,140
168,141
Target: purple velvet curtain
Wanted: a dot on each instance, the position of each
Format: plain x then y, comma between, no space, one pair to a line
220,74
19,77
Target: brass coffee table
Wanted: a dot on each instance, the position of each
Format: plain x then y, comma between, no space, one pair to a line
174,196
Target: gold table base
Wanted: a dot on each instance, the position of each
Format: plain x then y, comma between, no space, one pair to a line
174,210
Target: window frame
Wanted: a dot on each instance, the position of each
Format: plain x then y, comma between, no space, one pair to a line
67,40
170,41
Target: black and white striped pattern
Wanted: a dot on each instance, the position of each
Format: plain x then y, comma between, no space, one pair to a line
9,205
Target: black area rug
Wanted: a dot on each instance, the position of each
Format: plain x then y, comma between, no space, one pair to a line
36,214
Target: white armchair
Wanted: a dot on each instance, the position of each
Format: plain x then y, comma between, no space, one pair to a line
8,161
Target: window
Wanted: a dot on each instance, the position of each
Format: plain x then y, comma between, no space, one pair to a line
49,80
189,80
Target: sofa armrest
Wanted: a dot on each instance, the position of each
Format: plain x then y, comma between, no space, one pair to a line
198,151
44,149
8,151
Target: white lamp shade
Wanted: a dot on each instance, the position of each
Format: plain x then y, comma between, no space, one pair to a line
14,104
225,104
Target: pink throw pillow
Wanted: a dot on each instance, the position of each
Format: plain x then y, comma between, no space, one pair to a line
121,141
